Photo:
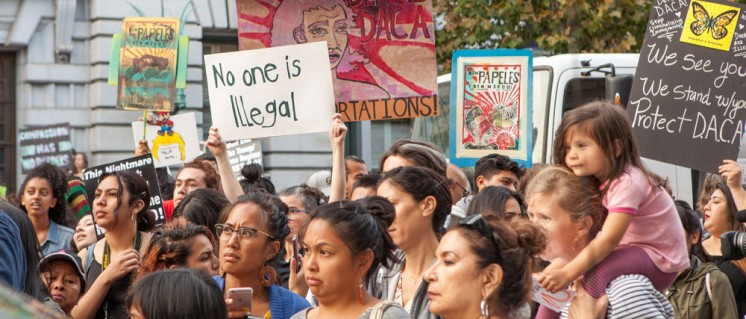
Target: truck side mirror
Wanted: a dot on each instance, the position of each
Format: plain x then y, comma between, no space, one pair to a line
618,88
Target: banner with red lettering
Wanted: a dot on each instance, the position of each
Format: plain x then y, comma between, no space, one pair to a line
382,52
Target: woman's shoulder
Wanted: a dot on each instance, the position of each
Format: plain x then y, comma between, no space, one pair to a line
283,297
388,310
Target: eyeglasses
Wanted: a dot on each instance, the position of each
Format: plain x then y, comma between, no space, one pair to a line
466,191
477,222
296,210
243,232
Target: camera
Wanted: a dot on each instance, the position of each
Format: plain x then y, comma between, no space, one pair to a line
733,243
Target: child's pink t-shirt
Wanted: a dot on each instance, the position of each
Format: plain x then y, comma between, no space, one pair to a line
656,226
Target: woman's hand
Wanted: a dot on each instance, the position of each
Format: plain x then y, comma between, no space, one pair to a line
731,171
215,143
337,131
583,306
122,264
235,313
297,280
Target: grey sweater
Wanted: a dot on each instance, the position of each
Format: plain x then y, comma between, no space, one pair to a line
383,287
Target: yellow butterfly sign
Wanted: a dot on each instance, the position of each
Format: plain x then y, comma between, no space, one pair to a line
710,25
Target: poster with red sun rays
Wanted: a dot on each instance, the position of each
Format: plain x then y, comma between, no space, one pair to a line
490,99
147,69
382,52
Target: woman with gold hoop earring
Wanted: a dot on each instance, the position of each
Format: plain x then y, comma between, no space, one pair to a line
483,269
250,232
343,244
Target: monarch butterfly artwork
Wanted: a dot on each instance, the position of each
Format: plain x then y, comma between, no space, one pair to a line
715,25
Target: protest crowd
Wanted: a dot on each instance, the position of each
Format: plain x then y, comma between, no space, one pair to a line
593,233
409,240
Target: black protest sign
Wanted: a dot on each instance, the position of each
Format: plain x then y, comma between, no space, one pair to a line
242,153
45,144
142,165
690,87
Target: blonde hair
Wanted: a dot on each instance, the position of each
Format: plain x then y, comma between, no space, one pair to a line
579,196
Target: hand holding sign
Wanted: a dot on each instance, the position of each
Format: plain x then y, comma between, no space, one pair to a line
215,143
338,130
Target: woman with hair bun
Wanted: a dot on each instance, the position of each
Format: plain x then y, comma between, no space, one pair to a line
484,268
253,180
422,200
343,244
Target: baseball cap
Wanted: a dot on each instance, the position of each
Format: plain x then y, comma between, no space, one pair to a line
67,256
321,180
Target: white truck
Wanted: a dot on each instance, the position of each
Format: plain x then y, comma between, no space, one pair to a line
561,83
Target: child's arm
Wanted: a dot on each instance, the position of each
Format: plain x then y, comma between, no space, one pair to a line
607,240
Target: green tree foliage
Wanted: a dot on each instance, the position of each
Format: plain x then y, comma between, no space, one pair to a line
552,26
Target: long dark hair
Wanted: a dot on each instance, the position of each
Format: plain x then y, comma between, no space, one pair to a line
58,182
491,201
202,207
690,221
421,182
138,188
177,293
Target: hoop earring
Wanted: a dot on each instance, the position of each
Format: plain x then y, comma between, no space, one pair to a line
267,275
360,291
484,308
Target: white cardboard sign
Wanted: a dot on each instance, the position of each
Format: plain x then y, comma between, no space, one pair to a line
172,139
271,92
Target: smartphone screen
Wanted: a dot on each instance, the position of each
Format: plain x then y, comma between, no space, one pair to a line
242,298
297,254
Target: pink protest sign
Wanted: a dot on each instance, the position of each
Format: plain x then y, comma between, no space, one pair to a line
382,53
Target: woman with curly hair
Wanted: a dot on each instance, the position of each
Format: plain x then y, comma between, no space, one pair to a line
180,244
43,200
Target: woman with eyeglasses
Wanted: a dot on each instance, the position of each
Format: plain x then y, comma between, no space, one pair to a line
422,200
250,232
120,207
302,200
483,269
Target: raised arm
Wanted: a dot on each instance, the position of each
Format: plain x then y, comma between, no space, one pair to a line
229,182
732,172
337,134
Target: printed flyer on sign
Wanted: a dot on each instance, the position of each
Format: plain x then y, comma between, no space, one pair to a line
491,108
148,56
171,139
381,53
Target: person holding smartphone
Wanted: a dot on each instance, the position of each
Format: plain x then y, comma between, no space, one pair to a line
250,232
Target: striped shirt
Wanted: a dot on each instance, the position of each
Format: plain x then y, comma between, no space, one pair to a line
633,296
